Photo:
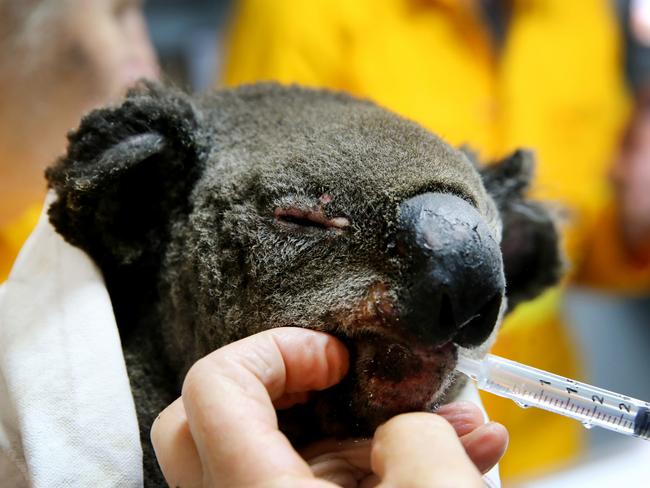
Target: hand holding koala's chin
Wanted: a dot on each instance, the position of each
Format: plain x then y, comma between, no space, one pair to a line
223,431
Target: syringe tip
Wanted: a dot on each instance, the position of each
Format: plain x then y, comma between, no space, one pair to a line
468,366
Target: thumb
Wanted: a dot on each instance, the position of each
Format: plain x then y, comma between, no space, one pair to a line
421,450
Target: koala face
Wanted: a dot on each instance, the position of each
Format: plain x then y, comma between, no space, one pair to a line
268,206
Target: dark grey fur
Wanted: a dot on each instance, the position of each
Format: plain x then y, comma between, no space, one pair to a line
174,198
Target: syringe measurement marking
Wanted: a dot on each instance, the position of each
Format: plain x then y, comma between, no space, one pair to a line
591,405
598,415
540,397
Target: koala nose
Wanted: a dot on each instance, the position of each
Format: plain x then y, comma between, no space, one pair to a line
454,269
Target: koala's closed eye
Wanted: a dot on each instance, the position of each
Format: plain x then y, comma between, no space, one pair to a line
315,219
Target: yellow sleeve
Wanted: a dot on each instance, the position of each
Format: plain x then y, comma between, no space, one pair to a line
286,41
607,263
13,236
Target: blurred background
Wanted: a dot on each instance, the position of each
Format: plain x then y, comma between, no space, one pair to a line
188,36
568,79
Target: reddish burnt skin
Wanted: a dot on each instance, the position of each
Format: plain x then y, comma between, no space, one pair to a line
423,373
376,312
325,198
394,374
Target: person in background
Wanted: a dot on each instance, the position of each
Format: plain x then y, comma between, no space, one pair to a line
497,75
58,59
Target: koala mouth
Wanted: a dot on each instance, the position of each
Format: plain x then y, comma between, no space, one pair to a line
387,377
393,377
391,371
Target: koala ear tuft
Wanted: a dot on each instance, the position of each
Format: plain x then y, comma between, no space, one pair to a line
127,173
510,177
530,239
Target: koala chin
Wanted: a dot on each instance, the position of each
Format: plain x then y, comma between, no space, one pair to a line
216,217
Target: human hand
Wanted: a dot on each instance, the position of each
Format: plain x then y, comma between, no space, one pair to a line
223,430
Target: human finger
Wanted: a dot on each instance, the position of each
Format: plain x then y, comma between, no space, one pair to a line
463,416
345,462
174,447
485,443
228,402
421,450
342,462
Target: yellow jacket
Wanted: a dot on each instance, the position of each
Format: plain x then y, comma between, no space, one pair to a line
556,86
12,237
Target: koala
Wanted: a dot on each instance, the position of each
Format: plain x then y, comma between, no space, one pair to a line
215,217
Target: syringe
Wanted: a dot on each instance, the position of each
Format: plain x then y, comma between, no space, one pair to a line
531,387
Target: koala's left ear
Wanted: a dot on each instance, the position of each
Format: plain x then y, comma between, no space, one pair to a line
127,173
530,240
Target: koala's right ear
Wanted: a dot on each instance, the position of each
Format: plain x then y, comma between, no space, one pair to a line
530,242
127,173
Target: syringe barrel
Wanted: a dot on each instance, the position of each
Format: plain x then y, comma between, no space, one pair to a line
536,388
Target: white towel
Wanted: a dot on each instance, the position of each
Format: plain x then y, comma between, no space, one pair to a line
67,416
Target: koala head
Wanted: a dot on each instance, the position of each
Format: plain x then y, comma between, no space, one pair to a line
265,206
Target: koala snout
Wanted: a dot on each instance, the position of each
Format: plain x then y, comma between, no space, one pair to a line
453,269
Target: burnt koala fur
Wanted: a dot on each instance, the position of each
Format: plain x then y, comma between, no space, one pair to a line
215,217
